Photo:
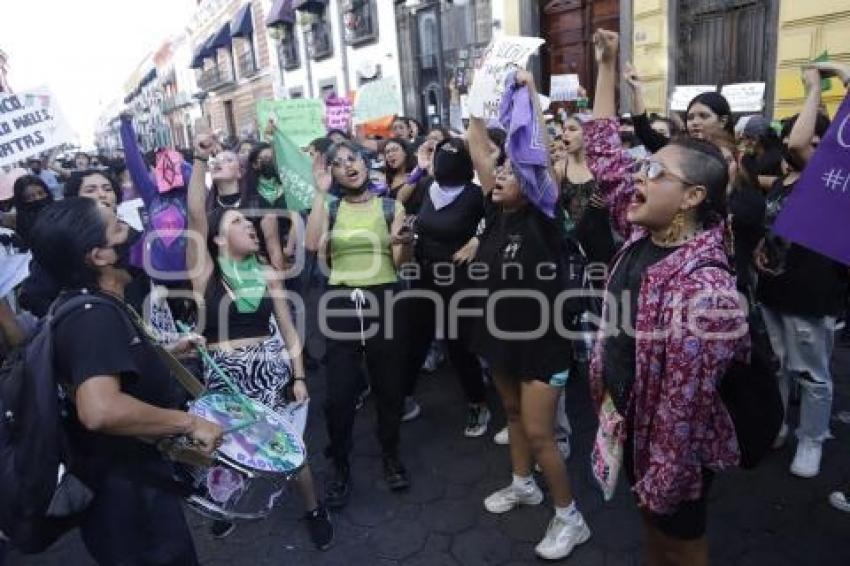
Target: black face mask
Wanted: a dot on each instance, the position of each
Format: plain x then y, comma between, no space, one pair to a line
26,215
123,250
268,170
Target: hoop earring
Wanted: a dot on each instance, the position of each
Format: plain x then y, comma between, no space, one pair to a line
677,226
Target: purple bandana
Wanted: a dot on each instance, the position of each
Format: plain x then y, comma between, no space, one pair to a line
525,148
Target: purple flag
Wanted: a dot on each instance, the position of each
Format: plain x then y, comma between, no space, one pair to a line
817,212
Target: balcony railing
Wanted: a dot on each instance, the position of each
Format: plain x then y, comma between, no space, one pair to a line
247,64
216,77
174,102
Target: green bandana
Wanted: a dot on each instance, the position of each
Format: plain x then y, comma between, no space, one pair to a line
245,278
270,190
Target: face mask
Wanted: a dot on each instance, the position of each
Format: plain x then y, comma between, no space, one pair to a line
122,250
268,170
26,215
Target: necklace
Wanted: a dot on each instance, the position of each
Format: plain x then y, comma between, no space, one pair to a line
223,205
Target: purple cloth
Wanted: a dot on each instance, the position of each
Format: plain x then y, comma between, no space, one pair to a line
524,145
815,214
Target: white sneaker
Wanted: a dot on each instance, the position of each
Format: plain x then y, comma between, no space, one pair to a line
501,438
840,500
411,409
779,442
562,536
806,462
512,496
477,419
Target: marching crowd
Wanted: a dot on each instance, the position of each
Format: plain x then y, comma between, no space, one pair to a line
634,251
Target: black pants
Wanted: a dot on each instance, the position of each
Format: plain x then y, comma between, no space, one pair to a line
383,357
131,524
422,314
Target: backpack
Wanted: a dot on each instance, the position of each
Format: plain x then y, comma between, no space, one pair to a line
387,204
39,501
751,394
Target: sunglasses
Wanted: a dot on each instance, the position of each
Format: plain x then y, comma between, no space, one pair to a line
654,170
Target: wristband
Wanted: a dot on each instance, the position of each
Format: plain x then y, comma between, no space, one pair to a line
299,378
415,175
201,159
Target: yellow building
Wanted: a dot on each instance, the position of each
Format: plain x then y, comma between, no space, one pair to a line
807,28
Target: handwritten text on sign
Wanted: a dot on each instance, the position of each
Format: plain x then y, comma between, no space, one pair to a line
815,214
377,99
338,114
501,57
30,123
301,119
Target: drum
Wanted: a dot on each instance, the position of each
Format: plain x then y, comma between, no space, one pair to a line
258,456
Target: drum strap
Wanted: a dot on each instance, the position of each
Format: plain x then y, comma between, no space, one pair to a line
189,382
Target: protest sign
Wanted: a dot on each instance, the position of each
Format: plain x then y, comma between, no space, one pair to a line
815,214
377,99
503,55
14,268
294,166
683,94
30,123
338,113
564,88
301,119
744,97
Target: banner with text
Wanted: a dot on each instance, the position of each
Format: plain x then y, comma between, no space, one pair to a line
501,57
301,119
338,113
815,214
744,97
294,166
683,94
30,123
377,99
564,88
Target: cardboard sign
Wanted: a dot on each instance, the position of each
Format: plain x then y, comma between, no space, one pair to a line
338,113
377,99
564,88
502,56
301,119
30,123
744,97
682,95
816,212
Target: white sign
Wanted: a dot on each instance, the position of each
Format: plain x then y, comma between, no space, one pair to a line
377,99
744,97
30,123
682,95
564,88
503,55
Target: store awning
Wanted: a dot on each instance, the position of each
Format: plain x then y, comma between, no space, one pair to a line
315,6
243,24
281,13
220,39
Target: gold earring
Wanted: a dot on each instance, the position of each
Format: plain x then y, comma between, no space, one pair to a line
677,226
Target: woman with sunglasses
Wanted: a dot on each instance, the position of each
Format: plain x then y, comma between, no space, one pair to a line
521,247
366,239
672,324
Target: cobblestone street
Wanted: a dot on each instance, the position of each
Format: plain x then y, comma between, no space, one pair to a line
767,517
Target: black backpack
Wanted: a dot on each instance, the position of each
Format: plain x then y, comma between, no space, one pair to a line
35,508
751,394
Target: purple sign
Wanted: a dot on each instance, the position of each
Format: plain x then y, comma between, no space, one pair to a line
817,213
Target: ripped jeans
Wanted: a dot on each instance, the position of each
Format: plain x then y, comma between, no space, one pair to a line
804,348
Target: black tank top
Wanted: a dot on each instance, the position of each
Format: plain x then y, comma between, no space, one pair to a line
232,324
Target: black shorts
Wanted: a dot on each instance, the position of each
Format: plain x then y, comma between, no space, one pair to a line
689,520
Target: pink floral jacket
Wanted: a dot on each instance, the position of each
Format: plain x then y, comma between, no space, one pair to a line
690,326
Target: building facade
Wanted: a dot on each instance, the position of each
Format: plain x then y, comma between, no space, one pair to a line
4,69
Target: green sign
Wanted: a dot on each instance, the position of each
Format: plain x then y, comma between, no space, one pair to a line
301,119
377,99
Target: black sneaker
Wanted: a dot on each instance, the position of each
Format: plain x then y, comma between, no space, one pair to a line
320,527
221,529
394,474
338,489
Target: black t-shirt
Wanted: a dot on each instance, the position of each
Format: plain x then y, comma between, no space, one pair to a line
443,232
619,356
747,207
98,341
809,284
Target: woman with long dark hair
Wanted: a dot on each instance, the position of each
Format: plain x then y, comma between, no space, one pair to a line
365,238
399,161
248,325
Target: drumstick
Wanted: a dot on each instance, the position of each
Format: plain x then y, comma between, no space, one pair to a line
243,400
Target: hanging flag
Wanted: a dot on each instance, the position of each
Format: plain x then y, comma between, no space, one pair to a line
294,166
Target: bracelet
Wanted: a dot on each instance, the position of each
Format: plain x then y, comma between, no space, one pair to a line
415,175
201,159
299,378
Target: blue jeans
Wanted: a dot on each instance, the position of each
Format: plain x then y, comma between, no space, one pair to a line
804,347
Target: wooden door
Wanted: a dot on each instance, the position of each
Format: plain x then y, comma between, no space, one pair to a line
568,26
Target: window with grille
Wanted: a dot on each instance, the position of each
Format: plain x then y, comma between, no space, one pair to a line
360,18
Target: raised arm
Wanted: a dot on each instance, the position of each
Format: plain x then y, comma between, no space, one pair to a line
652,140
455,107
134,159
198,260
483,157
317,222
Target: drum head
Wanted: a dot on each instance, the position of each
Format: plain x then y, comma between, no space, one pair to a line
266,442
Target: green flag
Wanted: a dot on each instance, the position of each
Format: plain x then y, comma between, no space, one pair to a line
294,166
